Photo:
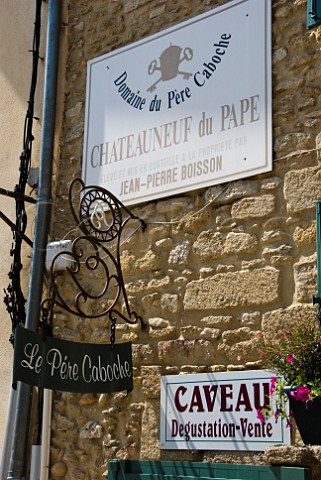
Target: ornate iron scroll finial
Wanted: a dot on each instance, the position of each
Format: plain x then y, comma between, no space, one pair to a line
95,269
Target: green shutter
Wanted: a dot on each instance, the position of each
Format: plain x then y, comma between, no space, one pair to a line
313,13
157,470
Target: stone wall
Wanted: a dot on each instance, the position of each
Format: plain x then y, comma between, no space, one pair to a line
214,266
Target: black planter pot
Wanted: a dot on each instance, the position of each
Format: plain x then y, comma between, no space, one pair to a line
307,417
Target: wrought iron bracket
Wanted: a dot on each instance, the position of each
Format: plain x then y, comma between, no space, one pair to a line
17,195
15,229
95,271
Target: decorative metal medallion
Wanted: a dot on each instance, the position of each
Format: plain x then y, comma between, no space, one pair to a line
94,268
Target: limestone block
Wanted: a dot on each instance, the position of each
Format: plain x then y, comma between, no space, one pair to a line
88,399
79,27
314,74
279,250
62,423
149,262
128,337
318,138
157,11
79,474
142,353
283,12
253,264
70,398
221,194
305,277
223,219
307,103
270,183
74,111
190,332
279,55
193,223
289,84
234,289
212,245
191,369
291,455
217,368
274,236
144,286
59,469
157,233
124,453
151,301
179,352
170,303
180,253
158,322
277,319
241,344
210,333
238,242
206,272
180,281
163,333
256,365
67,334
218,321
305,235
235,368
301,189
100,335
293,141
175,205
109,441
91,430
254,207
164,243
150,432
232,337
75,133
151,381
102,400
254,458
127,261
251,319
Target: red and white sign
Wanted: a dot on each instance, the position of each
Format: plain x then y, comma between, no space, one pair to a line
218,411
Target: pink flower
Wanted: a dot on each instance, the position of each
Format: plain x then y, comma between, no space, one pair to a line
238,358
290,358
289,424
272,385
302,394
260,415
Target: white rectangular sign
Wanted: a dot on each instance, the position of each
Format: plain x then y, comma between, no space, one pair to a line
186,108
218,411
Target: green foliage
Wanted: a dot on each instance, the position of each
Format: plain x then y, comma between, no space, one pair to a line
294,355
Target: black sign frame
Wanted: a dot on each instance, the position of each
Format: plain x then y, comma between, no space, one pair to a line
63,365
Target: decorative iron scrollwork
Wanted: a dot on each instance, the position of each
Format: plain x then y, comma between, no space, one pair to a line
94,259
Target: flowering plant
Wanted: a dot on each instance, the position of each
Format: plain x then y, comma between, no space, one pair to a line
294,355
